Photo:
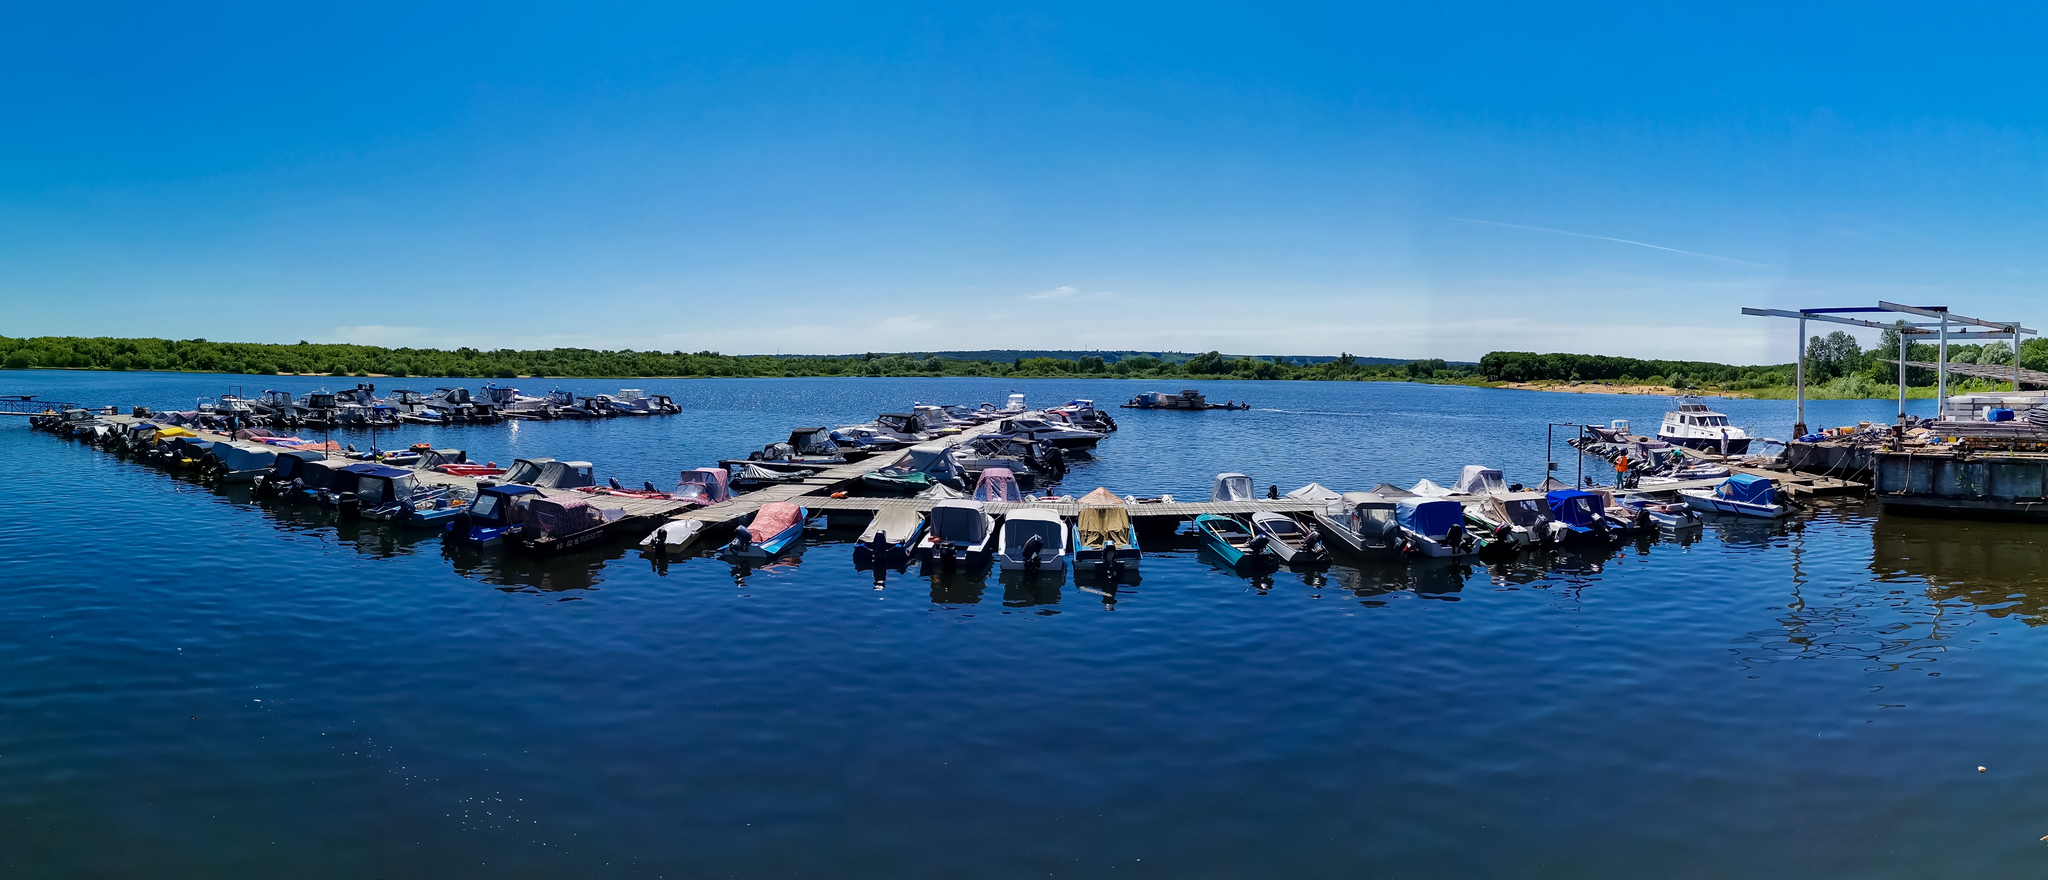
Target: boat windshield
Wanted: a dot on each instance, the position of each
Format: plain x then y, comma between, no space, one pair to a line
486,506
523,472
370,492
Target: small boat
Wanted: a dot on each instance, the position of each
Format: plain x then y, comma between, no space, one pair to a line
389,493
496,512
1694,426
1479,479
241,462
547,473
767,532
673,537
889,539
806,449
915,470
614,489
1294,544
635,402
1081,413
905,427
1231,487
316,479
1513,519
1045,432
1582,517
865,439
1015,404
1362,523
750,475
513,405
455,462
1673,516
284,471
1739,495
1031,539
1233,541
1435,527
559,523
997,484
703,486
1105,541
958,533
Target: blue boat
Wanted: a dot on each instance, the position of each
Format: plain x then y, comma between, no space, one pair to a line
1582,516
1233,541
767,533
1435,527
497,512
1741,495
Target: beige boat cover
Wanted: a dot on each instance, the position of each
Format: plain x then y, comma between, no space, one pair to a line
1103,519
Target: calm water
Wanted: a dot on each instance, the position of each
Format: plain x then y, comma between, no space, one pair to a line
191,686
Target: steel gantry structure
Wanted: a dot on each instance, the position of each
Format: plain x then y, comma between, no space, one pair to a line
1938,328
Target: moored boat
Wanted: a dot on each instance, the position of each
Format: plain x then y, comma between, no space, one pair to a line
958,533
1233,541
767,532
1105,540
1030,540
1293,543
1362,523
1739,495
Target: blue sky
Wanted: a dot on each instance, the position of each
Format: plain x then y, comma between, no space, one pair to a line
1415,180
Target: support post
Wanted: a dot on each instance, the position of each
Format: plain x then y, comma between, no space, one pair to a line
2015,359
1902,372
1941,368
1799,383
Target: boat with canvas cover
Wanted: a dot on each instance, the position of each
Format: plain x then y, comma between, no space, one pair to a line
1034,428
1231,487
241,462
285,469
1105,540
915,470
997,484
513,405
1234,542
1514,519
1435,527
1479,479
1739,495
1582,516
496,512
703,487
768,532
1362,523
315,480
958,533
1293,543
558,523
455,462
1031,540
889,539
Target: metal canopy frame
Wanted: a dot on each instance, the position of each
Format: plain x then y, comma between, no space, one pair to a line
2000,330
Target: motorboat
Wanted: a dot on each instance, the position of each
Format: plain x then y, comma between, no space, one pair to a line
513,405
1694,426
1289,539
889,539
749,475
904,427
1478,479
1435,527
527,471
496,512
1675,516
567,405
1020,457
241,461
455,462
315,480
1581,515
635,402
703,486
559,523
1105,540
1233,541
1031,539
806,449
936,420
915,470
865,439
1361,522
389,493
1042,431
767,532
959,533
285,470
1517,519
1231,487
997,485
1082,413
1015,404
1739,495
1188,399
673,537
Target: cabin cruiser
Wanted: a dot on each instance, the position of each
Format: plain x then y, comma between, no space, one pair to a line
276,407
1695,426
635,402
1015,404
1038,429
460,406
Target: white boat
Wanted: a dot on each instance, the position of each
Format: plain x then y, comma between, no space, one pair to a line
957,533
1030,540
1015,404
1042,431
1289,540
674,536
1479,479
1739,495
1694,426
1361,522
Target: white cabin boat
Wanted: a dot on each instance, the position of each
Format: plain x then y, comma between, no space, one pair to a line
1695,426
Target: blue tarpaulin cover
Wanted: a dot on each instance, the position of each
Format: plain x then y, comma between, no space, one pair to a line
1429,517
1573,507
1747,489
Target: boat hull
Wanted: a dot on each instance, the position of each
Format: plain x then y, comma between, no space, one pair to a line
1707,502
1736,446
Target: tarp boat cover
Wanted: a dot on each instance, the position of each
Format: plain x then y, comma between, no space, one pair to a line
704,486
1525,509
557,516
894,524
1103,518
1479,480
773,519
961,522
1314,492
1573,507
1231,487
1391,491
997,484
941,492
1747,489
236,457
934,460
1429,517
1427,489
378,484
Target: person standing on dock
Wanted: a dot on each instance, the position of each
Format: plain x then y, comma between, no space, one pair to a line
1621,471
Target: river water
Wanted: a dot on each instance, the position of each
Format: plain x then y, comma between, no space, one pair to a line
194,686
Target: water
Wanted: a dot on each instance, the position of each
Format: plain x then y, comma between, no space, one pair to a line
192,686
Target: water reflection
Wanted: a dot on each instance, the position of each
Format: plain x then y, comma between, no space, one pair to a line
2000,569
1041,588
517,573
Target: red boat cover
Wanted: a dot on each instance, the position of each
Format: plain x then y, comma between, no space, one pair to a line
773,519
556,516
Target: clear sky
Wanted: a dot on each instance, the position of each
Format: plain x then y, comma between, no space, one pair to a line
1407,180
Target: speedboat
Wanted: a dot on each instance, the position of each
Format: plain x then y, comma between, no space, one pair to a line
1105,541
703,486
1362,523
1034,428
1015,403
513,405
1674,516
674,536
768,532
1695,426
1740,495
958,534
1031,539
1291,542
1435,527
916,470
635,402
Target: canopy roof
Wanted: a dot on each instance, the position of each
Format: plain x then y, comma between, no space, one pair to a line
1313,492
1101,497
961,522
997,484
1479,480
705,484
1428,489
1231,487
1747,489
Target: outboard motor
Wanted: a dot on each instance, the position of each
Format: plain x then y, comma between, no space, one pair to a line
1312,542
1109,567
349,505
1031,549
742,540
869,555
1259,545
1459,538
949,555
